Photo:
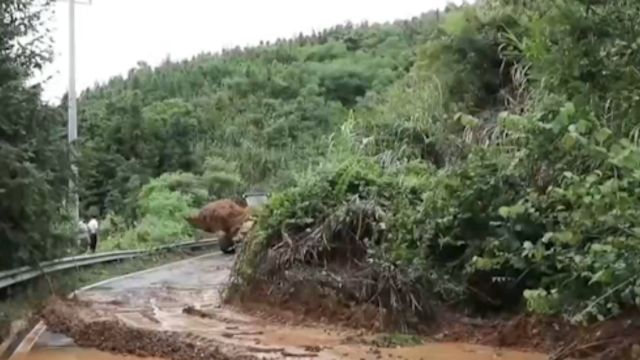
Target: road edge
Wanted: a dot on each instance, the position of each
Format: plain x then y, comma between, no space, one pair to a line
30,339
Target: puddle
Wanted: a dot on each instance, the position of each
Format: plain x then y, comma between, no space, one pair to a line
444,351
426,352
154,316
75,354
271,341
332,346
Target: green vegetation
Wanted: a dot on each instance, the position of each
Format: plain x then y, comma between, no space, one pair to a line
485,156
33,152
162,205
245,119
501,170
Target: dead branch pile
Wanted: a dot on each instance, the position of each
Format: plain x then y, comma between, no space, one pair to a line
337,255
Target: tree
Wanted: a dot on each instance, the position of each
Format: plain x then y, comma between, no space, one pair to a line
33,152
268,110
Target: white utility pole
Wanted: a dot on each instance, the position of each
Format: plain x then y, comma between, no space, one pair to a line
73,111
73,121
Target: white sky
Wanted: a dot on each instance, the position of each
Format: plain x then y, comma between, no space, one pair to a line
113,35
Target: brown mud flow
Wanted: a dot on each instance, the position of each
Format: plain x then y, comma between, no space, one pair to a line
179,315
76,354
431,352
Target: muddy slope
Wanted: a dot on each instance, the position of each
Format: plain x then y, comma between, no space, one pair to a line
616,339
176,313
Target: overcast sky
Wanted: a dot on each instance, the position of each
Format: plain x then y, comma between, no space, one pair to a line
113,35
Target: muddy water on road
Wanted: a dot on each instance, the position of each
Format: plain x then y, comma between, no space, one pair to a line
75,354
443,352
248,335
156,303
426,352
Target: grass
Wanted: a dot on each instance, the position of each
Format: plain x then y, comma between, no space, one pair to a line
22,301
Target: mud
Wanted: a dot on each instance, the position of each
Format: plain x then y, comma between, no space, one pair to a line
76,354
177,313
304,306
611,340
94,329
271,342
181,317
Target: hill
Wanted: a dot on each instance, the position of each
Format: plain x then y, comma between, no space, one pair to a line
486,157
259,112
499,174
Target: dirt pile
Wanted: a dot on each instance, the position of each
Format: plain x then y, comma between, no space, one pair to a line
307,303
323,273
108,334
329,262
188,322
221,215
612,340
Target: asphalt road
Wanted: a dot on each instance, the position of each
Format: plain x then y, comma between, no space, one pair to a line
155,300
205,273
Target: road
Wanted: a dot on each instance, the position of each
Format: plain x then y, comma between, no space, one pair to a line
152,303
139,287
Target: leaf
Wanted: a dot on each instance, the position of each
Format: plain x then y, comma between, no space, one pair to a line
568,141
566,112
547,237
582,126
567,237
511,211
602,276
602,134
468,120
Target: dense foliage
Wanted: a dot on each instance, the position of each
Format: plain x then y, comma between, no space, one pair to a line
267,109
33,152
487,155
245,119
502,169
163,204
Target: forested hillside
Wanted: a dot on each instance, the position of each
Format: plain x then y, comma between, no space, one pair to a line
502,171
486,156
245,119
262,111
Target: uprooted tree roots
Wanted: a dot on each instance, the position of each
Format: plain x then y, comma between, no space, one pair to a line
334,257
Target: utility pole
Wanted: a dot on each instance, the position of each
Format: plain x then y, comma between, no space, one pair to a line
73,111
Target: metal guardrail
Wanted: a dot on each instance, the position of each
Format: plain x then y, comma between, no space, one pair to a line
14,276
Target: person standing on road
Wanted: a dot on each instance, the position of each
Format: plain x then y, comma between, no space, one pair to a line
93,234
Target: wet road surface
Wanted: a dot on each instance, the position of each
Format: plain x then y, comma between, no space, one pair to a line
155,300
181,275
